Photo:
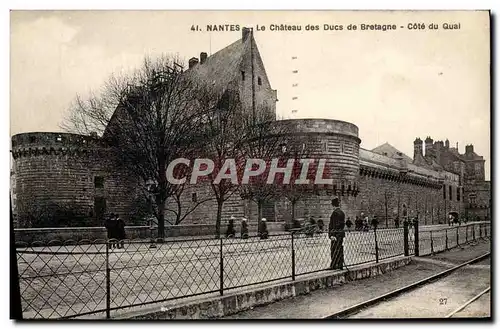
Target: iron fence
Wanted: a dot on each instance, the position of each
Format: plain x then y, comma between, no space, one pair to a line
99,278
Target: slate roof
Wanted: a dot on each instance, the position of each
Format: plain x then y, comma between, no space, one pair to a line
223,67
391,152
219,71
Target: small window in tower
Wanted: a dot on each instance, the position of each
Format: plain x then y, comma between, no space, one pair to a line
451,197
259,81
444,192
194,197
98,182
243,75
458,193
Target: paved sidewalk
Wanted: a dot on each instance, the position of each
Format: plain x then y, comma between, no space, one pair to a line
319,303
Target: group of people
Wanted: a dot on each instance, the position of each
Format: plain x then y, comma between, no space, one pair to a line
336,232
362,223
115,226
263,233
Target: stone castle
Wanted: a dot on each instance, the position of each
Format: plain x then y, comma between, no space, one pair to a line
67,170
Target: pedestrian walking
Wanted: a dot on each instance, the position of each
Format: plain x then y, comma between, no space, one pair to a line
244,228
358,223
336,234
374,222
111,226
348,223
230,232
396,222
120,231
263,233
366,222
311,227
320,225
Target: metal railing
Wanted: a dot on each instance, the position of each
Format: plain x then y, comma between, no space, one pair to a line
96,279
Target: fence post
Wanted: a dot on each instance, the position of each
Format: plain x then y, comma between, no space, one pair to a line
221,276
473,232
293,259
108,282
415,227
466,234
446,239
376,243
480,232
16,308
458,238
405,237
432,244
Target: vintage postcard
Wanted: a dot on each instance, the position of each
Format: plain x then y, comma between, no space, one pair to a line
250,164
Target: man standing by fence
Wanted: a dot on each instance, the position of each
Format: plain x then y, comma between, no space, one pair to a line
337,234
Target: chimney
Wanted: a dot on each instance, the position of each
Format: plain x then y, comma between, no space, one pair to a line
417,147
245,33
429,147
469,149
438,147
203,58
447,144
193,61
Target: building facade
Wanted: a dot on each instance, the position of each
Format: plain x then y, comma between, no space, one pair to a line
67,172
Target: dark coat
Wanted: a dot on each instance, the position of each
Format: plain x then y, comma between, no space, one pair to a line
244,227
230,228
263,227
120,228
111,227
337,224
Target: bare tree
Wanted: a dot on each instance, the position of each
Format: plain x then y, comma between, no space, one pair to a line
264,138
147,119
179,210
298,150
224,128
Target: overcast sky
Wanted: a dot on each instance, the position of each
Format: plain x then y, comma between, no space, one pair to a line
394,85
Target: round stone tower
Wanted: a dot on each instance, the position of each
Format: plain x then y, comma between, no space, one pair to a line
55,173
337,142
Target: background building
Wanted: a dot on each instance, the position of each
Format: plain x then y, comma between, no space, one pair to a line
67,173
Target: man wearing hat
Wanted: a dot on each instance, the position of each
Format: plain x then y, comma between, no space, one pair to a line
336,234
244,228
263,233
230,232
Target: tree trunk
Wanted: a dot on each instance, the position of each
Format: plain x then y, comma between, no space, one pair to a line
161,219
259,214
218,219
293,210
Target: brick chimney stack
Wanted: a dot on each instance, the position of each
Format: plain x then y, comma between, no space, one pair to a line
192,62
429,147
245,33
417,147
203,57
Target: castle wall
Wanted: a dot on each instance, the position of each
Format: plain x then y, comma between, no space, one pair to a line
55,170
